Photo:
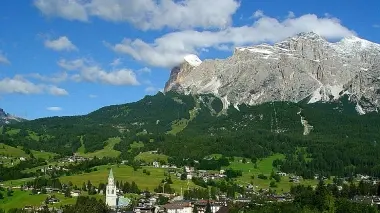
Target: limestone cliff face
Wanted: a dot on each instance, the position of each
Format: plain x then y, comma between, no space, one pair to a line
6,118
304,66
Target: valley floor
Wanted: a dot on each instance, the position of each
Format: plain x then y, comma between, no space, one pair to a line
124,173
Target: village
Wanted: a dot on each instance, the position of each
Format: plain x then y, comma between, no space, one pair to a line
175,202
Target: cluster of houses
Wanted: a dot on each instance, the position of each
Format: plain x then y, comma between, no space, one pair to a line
191,172
157,164
49,190
51,168
295,179
189,206
74,158
370,200
11,160
147,203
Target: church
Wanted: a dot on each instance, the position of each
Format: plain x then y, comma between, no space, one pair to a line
113,199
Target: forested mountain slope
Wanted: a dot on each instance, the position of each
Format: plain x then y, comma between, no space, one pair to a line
338,140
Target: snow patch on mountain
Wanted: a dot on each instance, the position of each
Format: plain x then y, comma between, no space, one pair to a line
359,109
193,60
225,102
236,106
316,96
255,50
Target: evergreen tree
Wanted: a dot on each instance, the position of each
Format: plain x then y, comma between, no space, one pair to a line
89,185
67,192
84,188
195,209
208,207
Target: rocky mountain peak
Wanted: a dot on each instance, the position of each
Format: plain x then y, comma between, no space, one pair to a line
2,113
188,64
305,66
6,118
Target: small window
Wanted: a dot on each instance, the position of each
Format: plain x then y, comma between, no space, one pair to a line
112,191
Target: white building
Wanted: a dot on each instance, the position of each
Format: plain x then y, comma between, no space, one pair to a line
114,200
156,164
75,193
179,207
111,197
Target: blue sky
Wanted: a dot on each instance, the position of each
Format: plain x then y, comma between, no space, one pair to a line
69,57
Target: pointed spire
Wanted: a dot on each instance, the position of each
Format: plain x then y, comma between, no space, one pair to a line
111,174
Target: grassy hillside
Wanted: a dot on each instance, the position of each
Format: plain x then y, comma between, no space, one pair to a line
24,198
6,150
126,173
107,151
149,157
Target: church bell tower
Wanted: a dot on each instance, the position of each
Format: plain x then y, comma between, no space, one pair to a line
111,197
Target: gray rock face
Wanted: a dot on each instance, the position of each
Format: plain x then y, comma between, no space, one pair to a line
6,118
300,67
2,113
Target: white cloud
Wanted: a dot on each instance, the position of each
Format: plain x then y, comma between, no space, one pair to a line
146,14
376,25
72,65
151,90
56,78
20,85
291,14
169,50
91,72
60,44
4,59
144,70
54,108
258,14
57,91
116,62
67,9
92,96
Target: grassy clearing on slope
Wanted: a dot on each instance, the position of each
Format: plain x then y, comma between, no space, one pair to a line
17,182
43,154
18,152
179,125
107,151
126,173
13,132
137,145
33,135
24,198
264,166
150,157
11,151
81,149
21,199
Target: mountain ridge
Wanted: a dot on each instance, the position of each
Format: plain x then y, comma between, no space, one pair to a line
6,118
303,66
